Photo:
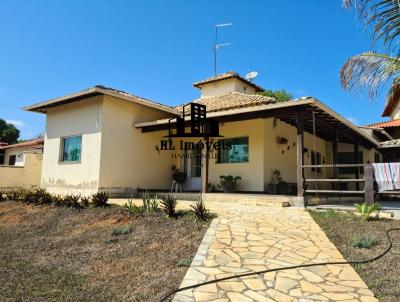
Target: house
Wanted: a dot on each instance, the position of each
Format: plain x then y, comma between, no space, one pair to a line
106,139
390,147
21,164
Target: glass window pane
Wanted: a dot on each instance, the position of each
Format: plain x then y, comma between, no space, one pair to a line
239,153
72,148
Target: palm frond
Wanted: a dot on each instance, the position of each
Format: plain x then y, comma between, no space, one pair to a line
369,72
384,18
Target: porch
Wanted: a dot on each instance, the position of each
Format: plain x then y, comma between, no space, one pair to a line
311,134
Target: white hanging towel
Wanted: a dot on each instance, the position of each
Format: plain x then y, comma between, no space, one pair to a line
387,176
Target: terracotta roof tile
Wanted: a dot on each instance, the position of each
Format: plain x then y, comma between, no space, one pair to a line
33,142
225,76
388,124
232,100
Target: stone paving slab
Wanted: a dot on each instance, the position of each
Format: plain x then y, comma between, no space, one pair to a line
252,238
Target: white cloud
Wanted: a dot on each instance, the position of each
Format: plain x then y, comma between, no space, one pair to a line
353,120
16,123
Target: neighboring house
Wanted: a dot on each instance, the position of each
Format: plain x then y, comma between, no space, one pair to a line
21,164
105,139
390,148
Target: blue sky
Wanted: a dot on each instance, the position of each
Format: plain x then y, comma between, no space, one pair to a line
157,49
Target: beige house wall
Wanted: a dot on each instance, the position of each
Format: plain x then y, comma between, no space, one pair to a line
252,172
22,176
129,158
78,118
225,86
20,154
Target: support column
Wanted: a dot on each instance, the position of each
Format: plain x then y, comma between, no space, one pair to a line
357,169
204,166
335,158
369,184
300,153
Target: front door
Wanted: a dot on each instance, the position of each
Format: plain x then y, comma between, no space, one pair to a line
192,166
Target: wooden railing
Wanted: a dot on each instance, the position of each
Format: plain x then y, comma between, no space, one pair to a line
368,181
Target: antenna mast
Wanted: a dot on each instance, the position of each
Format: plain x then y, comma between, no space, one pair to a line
217,46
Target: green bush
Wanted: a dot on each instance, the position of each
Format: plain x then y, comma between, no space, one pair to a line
58,200
200,210
38,196
366,210
85,200
15,194
364,242
100,199
72,201
121,230
184,262
168,205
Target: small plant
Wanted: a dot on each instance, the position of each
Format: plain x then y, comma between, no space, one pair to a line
366,210
364,242
58,200
168,205
100,199
150,204
228,183
3,197
200,211
72,201
183,262
15,194
121,230
85,200
132,208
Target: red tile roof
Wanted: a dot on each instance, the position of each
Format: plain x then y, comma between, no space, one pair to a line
32,142
388,124
232,100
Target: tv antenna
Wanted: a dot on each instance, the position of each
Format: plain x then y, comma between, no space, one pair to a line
218,46
251,75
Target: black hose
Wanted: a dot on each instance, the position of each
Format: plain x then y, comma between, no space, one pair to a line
287,268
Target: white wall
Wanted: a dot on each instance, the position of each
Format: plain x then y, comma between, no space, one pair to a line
78,118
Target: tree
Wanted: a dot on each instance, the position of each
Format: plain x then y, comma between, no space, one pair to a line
370,71
279,95
8,133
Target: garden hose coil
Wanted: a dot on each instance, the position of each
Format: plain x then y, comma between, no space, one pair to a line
389,247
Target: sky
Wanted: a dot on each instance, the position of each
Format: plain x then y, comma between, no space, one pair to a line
157,48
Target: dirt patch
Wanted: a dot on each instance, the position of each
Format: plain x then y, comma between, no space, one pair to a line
55,253
348,232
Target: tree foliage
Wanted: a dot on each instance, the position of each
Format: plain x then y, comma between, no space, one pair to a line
8,132
280,95
371,71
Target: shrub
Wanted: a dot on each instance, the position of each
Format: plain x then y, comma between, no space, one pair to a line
183,262
2,197
200,210
168,205
85,200
38,196
100,199
364,242
149,204
72,201
58,200
366,210
121,230
15,194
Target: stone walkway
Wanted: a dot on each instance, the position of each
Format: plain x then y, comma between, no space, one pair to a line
252,238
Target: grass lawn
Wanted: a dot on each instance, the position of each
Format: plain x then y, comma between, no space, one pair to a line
50,253
358,239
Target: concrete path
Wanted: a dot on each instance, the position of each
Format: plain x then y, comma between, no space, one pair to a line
251,238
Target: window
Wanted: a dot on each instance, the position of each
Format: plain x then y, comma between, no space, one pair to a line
348,158
71,148
2,157
239,153
316,160
11,160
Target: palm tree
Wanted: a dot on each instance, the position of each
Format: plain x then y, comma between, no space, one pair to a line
373,71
